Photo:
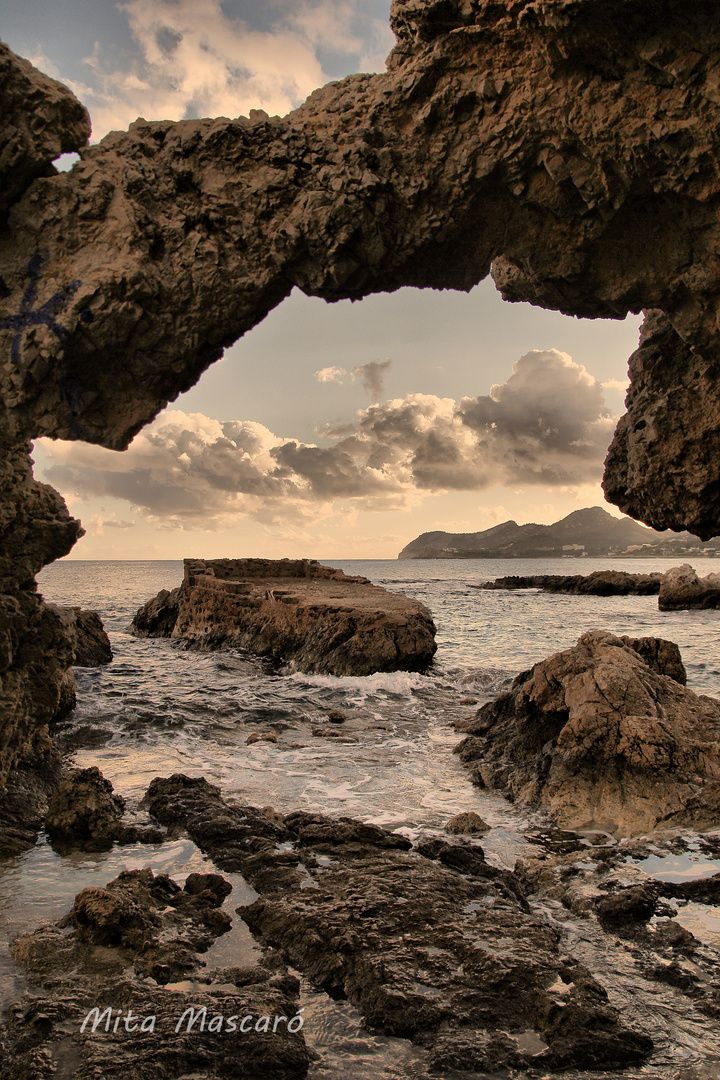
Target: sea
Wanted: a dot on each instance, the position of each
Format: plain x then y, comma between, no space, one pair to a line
159,708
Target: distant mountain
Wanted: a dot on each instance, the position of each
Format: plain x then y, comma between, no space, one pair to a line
591,532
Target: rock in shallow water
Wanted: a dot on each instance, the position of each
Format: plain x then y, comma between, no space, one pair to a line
294,610
108,964
83,813
442,949
681,589
598,583
606,736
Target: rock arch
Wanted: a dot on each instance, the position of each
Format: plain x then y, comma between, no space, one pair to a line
569,144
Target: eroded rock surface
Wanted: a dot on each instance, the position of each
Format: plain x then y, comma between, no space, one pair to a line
436,944
681,588
295,610
661,464
126,948
605,735
641,923
598,583
89,643
573,145
84,813
35,681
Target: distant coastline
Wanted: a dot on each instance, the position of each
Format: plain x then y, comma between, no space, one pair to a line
591,532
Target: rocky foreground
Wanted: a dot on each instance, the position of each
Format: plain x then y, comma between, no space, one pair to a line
295,611
606,735
108,996
598,583
430,943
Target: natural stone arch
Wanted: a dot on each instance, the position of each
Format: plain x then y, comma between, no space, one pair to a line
570,143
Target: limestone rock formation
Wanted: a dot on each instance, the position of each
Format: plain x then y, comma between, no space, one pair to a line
84,813
661,466
560,140
681,588
598,583
440,948
294,610
35,653
108,995
41,120
89,643
570,144
606,736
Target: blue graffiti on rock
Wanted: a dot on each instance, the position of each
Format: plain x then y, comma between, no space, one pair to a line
29,315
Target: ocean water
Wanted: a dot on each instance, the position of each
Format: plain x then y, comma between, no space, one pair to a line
158,708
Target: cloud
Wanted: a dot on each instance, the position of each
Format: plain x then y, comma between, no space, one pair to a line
616,384
547,426
372,375
191,59
330,374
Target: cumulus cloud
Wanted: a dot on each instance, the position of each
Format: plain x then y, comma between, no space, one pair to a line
192,59
330,374
372,375
547,425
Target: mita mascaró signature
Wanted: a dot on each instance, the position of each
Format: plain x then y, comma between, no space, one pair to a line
191,1019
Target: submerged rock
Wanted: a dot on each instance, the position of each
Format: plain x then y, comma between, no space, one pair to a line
437,945
598,583
294,610
681,589
89,643
606,736
107,1000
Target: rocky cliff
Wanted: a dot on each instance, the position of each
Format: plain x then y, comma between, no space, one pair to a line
572,144
298,611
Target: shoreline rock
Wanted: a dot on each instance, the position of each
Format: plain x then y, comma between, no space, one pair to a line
132,948
294,610
606,736
681,589
89,644
84,813
434,943
598,583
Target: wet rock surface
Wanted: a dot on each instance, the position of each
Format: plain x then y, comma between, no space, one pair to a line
84,813
24,802
681,588
598,583
433,944
605,735
129,951
296,611
641,919
89,644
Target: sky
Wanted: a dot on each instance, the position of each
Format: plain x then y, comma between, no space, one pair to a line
330,430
